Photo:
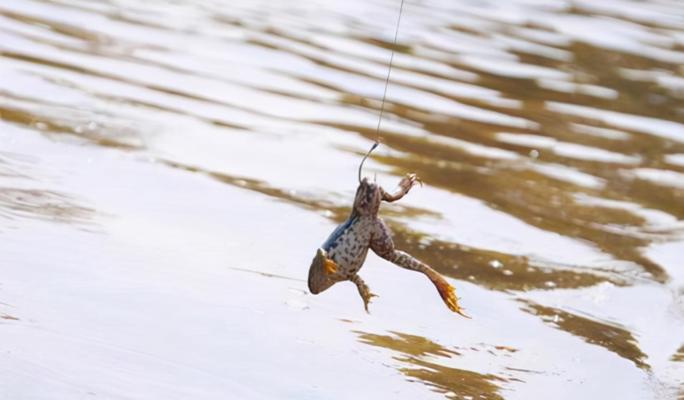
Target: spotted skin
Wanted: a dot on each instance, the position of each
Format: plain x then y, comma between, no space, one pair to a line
342,255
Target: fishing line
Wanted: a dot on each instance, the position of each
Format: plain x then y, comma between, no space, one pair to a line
384,94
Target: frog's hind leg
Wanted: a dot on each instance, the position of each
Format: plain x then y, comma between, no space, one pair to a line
321,272
446,291
382,245
364,291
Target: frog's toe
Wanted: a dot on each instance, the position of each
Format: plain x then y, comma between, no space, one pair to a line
409,181
367,299
448,295
414,180
329,266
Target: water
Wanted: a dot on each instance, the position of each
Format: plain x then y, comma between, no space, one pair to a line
167,169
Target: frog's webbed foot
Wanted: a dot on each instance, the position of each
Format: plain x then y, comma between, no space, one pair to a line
405,185
329,266
364,291
446,291
366,300
409,181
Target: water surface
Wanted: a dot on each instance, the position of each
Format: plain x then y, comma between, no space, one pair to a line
167,169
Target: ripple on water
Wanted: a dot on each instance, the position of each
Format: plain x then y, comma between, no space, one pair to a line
614,338
453,382
562,122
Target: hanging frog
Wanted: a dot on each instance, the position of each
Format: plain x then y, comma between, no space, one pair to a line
344,252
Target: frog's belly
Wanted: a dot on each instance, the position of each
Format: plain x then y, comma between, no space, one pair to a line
349,249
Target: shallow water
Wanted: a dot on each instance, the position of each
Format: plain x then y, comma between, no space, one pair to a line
167,169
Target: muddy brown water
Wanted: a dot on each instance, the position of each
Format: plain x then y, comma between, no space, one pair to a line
549,136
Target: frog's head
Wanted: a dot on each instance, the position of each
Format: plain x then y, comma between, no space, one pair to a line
319,280
368,197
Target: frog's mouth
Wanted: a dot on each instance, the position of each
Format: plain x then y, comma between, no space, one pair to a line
320,277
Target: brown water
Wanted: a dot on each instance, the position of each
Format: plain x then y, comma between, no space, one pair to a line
154,154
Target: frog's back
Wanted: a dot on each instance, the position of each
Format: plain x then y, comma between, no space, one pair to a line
332,240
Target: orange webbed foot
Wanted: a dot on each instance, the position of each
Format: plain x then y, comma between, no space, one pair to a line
448,294
329,266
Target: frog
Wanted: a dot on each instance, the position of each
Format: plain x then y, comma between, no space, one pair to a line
344,252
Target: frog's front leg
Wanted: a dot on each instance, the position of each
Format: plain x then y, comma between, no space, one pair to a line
364,291
409,181
382,245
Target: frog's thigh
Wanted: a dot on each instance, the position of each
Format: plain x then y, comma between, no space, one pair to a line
383,246
381,240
